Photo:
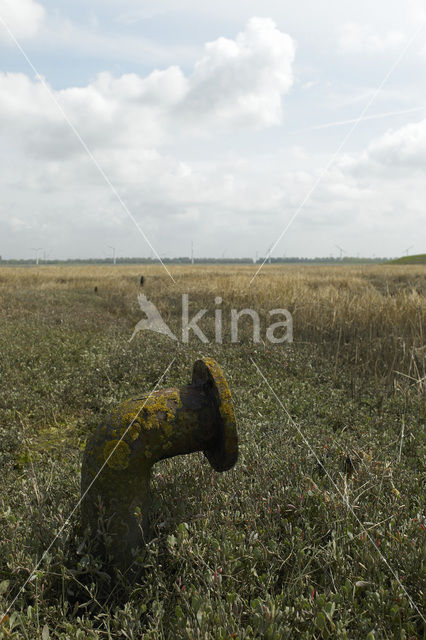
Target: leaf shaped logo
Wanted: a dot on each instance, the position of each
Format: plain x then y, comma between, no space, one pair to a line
153,320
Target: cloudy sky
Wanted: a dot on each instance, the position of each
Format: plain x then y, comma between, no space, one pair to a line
213,123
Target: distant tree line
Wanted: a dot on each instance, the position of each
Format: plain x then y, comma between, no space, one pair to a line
328,260
185,260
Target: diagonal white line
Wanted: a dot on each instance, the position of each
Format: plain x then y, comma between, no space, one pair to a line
376,116
341,145
85,147
344,498
66,523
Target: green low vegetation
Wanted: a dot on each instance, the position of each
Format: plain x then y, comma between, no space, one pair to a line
317,533
417,259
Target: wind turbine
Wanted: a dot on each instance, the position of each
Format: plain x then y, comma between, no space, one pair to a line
113,253
342,251
36,252
407,250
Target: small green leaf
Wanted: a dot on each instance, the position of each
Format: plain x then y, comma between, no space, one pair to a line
4,586
196,603
329,610
321,621
171,540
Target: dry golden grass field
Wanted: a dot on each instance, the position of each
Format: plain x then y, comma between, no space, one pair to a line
374,313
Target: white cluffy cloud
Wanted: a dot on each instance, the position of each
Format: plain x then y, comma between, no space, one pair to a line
24,18
139,129
380,190
242,81
192,157
238,83
404,148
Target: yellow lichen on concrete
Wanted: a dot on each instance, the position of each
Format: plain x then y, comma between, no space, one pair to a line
226,406
146,413
130,426
134,431
158,403
157,410
151,421
226,409
174,396
116,454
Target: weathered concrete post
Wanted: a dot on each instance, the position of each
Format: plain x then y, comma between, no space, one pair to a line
144,430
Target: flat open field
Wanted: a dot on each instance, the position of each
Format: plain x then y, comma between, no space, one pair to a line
318,531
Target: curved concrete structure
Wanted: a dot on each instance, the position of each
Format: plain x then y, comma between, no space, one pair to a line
119,456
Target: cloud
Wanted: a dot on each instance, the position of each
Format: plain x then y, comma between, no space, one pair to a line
187,152
135,127
363,39
402,148
127,112
379,190
238,83
241,82
24,18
